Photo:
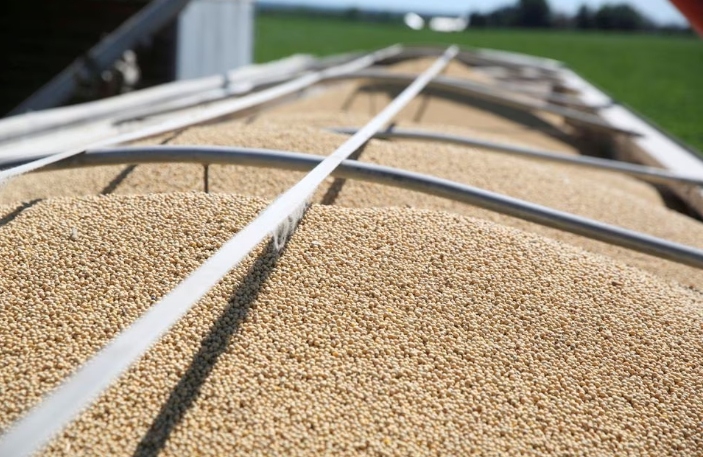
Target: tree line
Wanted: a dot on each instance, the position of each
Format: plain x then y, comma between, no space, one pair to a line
524,13
539,14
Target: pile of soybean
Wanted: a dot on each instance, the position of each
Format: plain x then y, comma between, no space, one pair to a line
607,197
375,332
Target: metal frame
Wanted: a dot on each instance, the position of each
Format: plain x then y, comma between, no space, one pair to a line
650,174
394,177
219,94
492,95
211,113
153,98
517,63
183,94
489,57
143,24
551,97
201,98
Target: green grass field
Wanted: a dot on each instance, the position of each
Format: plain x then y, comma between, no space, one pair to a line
660,77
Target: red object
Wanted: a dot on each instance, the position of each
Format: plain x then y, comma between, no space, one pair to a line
693,10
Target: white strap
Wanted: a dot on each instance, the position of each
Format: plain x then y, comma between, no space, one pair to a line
58,409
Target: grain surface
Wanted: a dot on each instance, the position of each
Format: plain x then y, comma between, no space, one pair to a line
393,323
607,197
610,198
377,331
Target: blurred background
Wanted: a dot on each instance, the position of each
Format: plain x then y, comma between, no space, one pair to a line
645,54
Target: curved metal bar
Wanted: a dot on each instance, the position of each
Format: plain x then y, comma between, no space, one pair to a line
489,94
147,102
225,92
546,69
132,104
484,57
388,176
211,113
647,173
551,97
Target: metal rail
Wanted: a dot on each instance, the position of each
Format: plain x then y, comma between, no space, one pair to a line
76,116
266,158
546,69
184,94
146,22
646,173
142,100
551,97
487,57
222,93
490,94
56,411
211,113
201,98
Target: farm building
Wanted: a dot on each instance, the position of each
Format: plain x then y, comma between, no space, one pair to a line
414,250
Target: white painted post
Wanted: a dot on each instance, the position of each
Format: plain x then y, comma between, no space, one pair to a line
214,36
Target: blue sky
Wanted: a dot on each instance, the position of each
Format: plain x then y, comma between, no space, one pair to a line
661,11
